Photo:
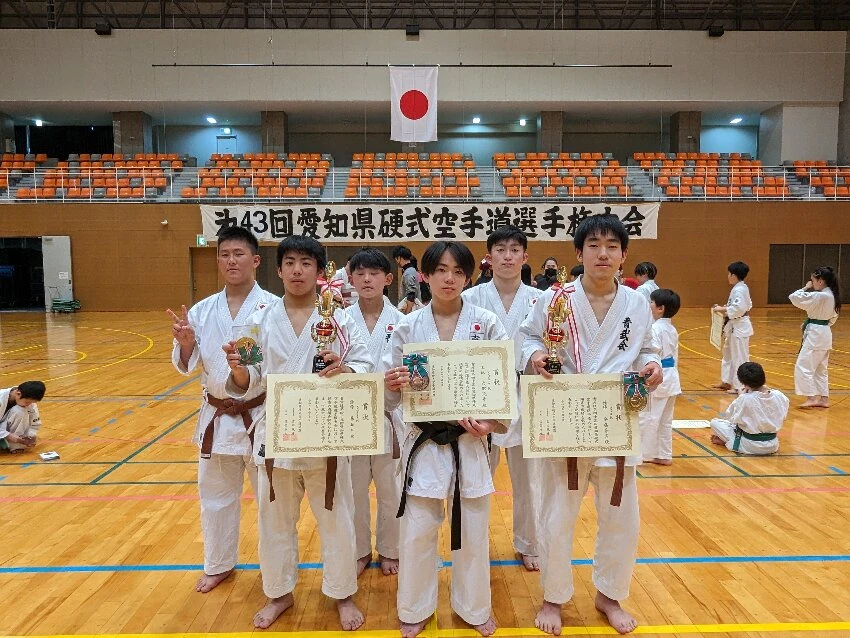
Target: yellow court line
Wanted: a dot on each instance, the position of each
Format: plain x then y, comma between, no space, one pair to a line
22,349
433,632
53,365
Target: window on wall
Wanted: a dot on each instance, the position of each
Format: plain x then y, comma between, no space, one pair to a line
791,265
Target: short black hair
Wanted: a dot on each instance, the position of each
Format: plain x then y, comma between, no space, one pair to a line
751,374
237,233
601,225
403,252
543,265
303,245
525,274
369,258
462,255
646,268
32,390
667,298
507,233
739,269
577,271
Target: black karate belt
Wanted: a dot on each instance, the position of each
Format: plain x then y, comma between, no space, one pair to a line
233,407
619,477
441,433
739,434
330,480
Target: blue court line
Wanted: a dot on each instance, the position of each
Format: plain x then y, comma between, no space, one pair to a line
111,421
711,452
182,384
659,560
837,470
118,399
145,446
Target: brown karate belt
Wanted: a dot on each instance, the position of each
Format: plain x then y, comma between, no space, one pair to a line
616,491
330,481
233,407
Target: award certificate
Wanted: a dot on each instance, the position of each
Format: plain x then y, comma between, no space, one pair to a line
577,415
452,380
307,415
716,336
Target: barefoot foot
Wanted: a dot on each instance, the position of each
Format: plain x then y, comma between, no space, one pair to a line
486,629
660,461
208,583
264,618
411,630
549,618
721,386
350,617
618,618
531,562
717,440
389,566
363,563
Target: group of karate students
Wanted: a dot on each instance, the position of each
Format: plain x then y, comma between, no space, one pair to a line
425,470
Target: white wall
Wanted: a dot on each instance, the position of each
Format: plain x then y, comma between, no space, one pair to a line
809,132
770,136
200,141
729,139
116,71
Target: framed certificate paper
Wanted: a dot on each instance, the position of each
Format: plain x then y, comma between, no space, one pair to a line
307,415
716,335
577,415
453,380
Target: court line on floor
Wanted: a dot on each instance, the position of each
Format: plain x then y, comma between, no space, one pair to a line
579,562
711,452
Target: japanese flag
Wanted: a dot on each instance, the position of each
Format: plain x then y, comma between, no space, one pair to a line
414,103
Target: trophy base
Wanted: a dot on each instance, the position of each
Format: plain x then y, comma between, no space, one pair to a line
319,363
553,367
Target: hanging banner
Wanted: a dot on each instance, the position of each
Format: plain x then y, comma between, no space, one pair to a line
366,222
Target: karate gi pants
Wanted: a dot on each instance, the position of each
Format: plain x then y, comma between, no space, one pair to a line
17,421
220,482
278,547
736,350
811,375
726,431
418,555
616,535
381,469
525,486
656,428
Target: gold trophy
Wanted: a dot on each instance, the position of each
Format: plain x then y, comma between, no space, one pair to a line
558,312
324,332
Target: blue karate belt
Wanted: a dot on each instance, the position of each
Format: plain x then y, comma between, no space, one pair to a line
739,434
669,362
441,433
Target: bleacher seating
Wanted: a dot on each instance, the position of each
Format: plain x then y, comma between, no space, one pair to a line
712,175
14,166
560,175
262,176
822,177
407,175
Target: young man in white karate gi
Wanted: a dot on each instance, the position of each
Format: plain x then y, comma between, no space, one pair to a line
608,330
737,329
821,299
224,429
19,418
434,481
376,318
288,348
751,423
511,301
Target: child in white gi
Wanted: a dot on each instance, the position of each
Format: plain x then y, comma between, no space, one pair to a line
751,423
656,421
223,436
288,348
511,301
737,329
376,318
19,418
435,478
645,273
821,299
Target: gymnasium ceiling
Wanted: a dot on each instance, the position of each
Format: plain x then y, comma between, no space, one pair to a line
746,15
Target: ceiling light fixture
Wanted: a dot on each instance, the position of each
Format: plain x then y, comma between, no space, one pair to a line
211,120
522,122
736,120
476,120
39,123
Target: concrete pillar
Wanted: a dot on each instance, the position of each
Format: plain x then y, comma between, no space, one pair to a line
7,134
132,132
791,132
684,131
274,128
550,132
844,115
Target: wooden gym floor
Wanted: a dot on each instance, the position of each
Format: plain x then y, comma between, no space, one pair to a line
106,541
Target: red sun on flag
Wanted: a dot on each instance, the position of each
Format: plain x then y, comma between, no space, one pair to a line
413,104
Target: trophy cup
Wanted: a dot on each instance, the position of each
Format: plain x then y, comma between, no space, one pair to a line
558,312
324,332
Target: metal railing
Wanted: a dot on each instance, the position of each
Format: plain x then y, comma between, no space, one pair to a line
542,183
